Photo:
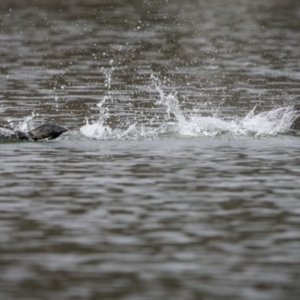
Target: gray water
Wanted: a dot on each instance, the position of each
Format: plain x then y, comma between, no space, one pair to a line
178,177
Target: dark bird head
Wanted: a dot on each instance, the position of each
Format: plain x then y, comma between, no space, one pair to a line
46,131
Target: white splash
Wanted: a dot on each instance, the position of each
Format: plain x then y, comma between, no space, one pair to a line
96,130
25,125
273,122
269,123
170,101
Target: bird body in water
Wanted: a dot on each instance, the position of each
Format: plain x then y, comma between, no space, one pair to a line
47,131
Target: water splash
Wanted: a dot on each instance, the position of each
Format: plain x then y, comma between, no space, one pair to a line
170,101
108,74
98,129
269,123
258,125
25,125
56,102
7,130
180,124
274,122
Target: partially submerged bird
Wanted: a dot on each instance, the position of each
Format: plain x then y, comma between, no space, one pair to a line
47,131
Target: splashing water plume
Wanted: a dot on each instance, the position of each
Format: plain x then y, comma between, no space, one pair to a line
25,125
169,101
98,129
177,124
274,122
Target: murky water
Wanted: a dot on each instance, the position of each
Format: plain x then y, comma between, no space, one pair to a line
179,175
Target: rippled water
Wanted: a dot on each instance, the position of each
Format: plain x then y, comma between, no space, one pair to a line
179,175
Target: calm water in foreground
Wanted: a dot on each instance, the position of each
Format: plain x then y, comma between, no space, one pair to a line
178,178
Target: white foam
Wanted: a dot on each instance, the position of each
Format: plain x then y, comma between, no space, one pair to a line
272,122
263,124
96,131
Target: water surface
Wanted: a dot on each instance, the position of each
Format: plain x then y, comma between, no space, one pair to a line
178,177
